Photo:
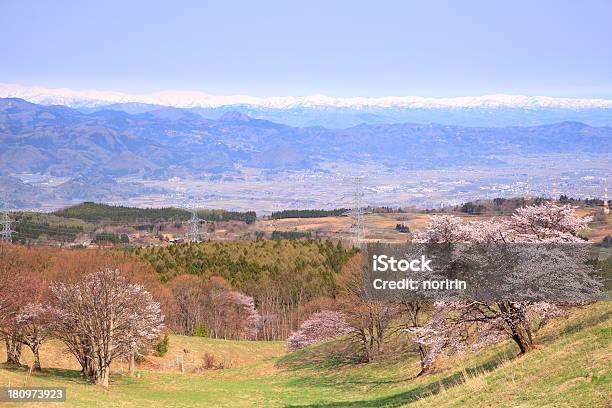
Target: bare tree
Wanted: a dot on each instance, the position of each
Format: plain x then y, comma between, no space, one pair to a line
211,303
8,303
103,317
190,293
369,319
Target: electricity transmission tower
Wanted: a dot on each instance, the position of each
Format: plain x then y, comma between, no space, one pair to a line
357,212
6,233
554,192
275,222
527,192
193,233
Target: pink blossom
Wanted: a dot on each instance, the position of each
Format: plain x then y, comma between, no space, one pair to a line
319,327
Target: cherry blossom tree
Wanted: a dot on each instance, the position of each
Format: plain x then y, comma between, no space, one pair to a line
32,328
8,310
23,291
247,318
319,327
103,317
547,222
444,229
437,336
458,325
9,303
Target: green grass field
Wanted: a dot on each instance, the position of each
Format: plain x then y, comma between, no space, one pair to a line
571,367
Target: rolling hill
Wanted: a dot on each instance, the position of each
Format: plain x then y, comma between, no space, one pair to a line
570,368
171,142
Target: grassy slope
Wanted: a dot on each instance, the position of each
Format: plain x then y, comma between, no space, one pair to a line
571,367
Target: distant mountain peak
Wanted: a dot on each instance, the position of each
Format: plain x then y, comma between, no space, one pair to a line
235,116
171,113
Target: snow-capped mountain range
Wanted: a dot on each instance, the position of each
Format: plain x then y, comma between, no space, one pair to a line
196,99
319,110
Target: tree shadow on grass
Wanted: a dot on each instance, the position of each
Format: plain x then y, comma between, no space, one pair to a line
326,356
59,373
580,325
398,399
66,375
344,383
405,397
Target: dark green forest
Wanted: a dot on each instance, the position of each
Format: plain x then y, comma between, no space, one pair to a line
301,269
308,213
278,235
508,205
33,225
95,212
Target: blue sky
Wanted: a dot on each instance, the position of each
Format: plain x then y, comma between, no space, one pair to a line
338,48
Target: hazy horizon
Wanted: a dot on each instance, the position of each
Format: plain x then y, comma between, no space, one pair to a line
343,49
31,87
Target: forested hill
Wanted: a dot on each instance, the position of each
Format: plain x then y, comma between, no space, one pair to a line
95,212
308,213
172,142
293,269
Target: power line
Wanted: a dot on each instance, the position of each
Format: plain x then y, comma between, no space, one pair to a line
606,208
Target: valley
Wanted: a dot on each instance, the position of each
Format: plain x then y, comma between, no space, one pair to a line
53,156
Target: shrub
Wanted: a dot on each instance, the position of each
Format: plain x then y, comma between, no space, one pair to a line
208,361
161,348
201,330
